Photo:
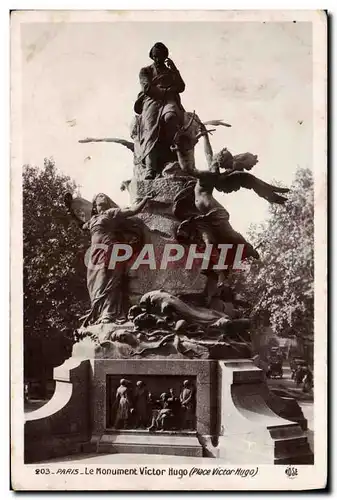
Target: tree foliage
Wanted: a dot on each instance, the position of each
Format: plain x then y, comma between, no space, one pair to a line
55,293
280,286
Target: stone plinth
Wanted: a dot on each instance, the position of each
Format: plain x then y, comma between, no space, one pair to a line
235,417
159,230
165,188
61,426
249,429
160,443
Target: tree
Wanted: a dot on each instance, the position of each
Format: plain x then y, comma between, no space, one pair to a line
55,294
280,286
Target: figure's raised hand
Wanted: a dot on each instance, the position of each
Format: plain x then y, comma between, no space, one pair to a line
170,64
68,199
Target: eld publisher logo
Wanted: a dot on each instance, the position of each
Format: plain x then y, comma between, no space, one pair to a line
291,472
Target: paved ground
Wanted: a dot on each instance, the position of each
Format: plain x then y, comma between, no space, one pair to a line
290,389
34,404
133,458
288,385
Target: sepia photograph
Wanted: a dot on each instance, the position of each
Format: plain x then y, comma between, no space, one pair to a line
168,242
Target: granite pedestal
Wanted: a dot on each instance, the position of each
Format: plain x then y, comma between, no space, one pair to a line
235,416
159,230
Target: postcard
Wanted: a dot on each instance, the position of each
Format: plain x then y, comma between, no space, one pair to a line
168,250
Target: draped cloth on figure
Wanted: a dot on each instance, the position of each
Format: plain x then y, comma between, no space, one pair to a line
105,285
124,405
159,95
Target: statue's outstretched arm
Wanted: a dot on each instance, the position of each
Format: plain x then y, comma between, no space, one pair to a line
216,123
135,209
205,134
128,144
68,201
207,144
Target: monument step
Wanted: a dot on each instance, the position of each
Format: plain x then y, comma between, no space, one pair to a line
150,433
281,446
289,448
288,431
241,452
291,440
303,457
151,443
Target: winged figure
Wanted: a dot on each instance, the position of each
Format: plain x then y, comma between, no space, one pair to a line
235,180
203,218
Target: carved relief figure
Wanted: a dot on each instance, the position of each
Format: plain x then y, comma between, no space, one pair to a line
162,419
123,404
187,400
142,404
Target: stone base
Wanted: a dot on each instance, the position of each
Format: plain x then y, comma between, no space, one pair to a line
235,417
165,188
250,430
62,425
286,407
160,226
158,443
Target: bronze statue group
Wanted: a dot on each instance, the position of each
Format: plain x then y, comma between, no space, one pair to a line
164,136
138,408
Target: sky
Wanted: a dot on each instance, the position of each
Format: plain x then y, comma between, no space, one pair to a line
81,80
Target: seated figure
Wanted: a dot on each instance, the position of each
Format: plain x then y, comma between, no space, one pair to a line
159,107
163,419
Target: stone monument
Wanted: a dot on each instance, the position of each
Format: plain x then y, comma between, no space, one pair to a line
164,362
